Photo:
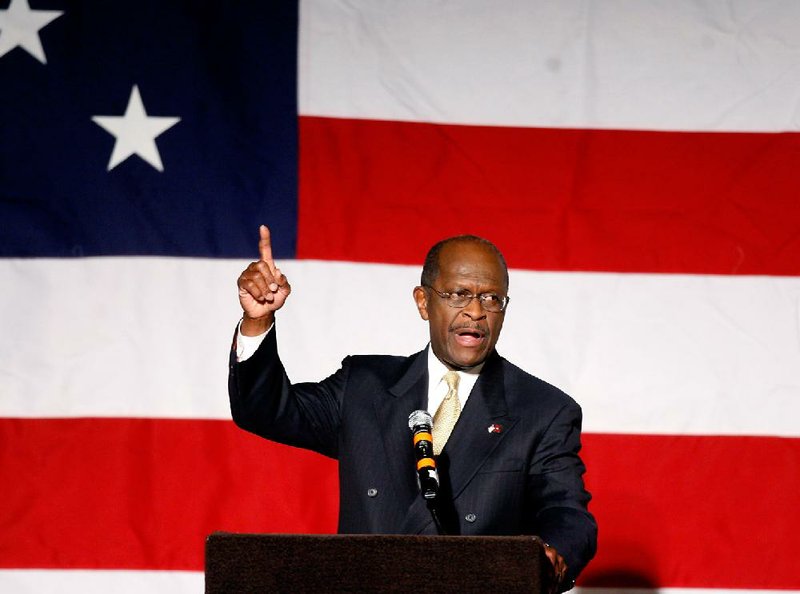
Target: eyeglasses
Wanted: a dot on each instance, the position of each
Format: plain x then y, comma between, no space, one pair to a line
490,302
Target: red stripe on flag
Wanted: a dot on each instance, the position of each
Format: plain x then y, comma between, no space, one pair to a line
143,494
690,511
552,199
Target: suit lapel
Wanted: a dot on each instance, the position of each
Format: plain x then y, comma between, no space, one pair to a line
470,444
408,394
472,441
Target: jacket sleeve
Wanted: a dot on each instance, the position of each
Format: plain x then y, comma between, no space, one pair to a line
264,401
555,478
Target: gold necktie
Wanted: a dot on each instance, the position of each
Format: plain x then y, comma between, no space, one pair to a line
447,414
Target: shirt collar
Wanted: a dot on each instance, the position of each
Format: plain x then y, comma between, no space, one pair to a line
437,369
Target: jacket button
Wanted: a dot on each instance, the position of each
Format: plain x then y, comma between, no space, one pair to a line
372,492
470,518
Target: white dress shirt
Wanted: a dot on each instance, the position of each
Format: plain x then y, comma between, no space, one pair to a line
437,387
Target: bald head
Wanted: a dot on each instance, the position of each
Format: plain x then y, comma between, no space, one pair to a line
430,270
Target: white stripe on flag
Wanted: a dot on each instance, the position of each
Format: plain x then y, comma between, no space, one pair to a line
677,591
97,581
148,337
44,581
664,65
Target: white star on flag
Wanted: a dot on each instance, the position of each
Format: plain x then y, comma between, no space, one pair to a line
19,26
136,132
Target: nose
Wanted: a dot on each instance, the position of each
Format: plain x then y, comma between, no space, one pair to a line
473,310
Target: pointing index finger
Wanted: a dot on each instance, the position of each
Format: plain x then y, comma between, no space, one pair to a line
265,247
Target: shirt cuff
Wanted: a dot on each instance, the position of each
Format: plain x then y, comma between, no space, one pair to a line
246,346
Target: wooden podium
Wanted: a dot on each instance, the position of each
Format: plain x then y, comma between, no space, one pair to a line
375,563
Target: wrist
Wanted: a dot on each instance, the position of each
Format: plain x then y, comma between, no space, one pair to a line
256,326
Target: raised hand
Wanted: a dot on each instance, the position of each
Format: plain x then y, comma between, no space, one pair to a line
263,289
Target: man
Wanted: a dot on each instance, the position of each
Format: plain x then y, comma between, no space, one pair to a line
510,463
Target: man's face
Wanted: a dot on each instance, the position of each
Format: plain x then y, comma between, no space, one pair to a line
463,337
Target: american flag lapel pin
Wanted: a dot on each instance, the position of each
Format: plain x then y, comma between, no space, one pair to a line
495,428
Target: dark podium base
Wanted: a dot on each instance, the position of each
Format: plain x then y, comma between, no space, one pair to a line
373,563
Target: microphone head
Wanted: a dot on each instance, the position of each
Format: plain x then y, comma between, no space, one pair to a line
420,417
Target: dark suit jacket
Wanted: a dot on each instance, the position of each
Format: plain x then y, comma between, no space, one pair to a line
525,478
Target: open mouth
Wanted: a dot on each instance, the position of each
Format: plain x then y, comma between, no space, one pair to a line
469,337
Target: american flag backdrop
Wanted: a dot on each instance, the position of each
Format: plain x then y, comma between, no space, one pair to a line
638,162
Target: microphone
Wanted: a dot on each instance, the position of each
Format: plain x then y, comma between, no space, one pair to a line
421,424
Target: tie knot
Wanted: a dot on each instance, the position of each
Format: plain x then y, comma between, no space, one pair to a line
451,378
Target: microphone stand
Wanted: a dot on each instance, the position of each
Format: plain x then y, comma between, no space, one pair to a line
435,514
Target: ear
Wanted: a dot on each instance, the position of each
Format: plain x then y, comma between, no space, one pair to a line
421,299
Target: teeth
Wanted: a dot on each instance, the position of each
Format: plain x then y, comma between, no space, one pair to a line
469,332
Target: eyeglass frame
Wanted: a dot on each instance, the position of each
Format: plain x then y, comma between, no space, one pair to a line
446,296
